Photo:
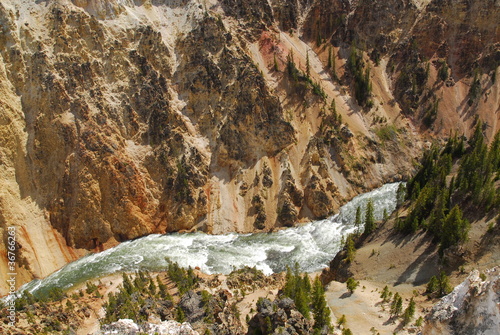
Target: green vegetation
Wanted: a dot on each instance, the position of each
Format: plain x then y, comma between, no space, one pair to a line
439,286
298,289
396,305
357,221
303,81
437,200
369,218
260,219
409,312
350,248
126,303
331,63
346,331
430,113
352,284
411,84
475,89
184,279
320,309
342,320
385,295
361,74
130,299
276,67
307,298
443,71
387,133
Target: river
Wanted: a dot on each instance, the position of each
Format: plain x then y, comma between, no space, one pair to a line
312,246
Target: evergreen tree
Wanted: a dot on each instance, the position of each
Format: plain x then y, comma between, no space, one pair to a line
444,284
350,249
342,320
357,221
180,316
321,311
289,289
308,66
301,301
351,284
443,71
409,312
455,228
400,194
329,63
369,218
396,305
306,284
385,294
127,284
432,285
152,286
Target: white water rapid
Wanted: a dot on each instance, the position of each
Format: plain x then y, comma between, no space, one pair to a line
312,246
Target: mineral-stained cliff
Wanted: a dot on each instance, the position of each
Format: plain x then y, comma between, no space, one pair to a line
123,118
472,307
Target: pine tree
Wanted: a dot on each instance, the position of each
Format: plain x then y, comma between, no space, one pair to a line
455,228
152,286
397,305
290,283
180,316
409,312
350,249
400,194
432,285
321,311
329,63
342,320
385,294
301,302
357,221
308,66
127,284
369,218
444,286
318,34
346,331
306,284
351,284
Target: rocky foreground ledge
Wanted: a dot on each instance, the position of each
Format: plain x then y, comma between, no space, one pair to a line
129,327
472,308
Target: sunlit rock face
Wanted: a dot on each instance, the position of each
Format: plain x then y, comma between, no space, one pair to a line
472,307
123,118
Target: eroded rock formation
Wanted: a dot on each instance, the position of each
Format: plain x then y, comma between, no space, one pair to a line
125,118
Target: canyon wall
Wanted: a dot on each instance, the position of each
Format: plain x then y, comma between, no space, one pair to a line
124,118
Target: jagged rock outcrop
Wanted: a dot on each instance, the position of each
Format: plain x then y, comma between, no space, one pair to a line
278,317
129,327
472,308
125,118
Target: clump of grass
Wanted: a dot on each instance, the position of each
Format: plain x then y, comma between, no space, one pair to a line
387,133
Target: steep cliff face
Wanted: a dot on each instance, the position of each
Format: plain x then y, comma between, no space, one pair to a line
125,118
442,56
472,307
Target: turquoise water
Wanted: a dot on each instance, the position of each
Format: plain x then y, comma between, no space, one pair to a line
312,246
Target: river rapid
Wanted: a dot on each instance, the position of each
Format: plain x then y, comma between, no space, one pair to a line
312,246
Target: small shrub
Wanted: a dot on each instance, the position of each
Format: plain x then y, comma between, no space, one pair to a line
352,284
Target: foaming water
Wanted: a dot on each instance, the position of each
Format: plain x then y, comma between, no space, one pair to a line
312,246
